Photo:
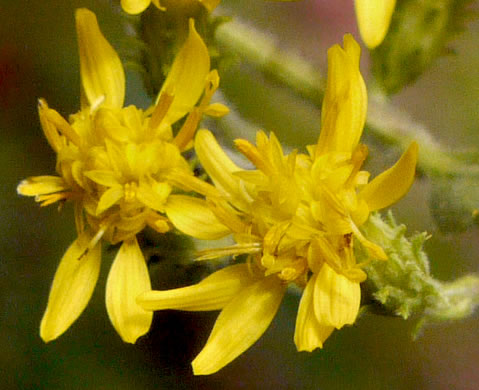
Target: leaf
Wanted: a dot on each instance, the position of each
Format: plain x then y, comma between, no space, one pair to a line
419,34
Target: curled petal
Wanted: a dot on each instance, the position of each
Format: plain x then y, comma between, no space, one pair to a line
219,166
49,128
53,122
127,279
309,334
212,293
187,77
393,184
240,324
193,217
41,185
345,102
72,287
336,298
102,75
374,17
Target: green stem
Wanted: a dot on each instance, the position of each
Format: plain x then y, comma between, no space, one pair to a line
383,122
262,51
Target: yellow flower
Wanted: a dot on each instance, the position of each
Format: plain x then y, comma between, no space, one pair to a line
138,6
374,17
114,164
296,217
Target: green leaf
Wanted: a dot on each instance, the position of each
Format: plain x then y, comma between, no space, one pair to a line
403,286
419,33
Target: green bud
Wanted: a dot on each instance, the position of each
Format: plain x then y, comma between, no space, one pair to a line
419,32
403,285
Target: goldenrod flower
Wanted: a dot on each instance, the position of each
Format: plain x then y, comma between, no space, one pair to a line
138,6
374,17
296,216
114,164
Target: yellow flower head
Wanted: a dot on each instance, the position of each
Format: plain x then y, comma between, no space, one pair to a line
138,6
117,165
296,216
374,17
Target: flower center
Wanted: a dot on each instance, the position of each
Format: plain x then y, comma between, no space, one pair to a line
130,190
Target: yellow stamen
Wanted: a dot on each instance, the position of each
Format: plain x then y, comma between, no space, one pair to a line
185,136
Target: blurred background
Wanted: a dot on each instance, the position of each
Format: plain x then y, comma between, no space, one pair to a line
38,58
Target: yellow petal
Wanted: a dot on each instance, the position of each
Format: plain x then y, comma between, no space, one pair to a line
240,324
374,17
134,7
49,129
72,287
109,198
218,165
321,250
345,102
374,250
212,293
393,184
79,217
187,77
336,298
52,121
101,70
153,194
217,110
160,109
127,279
186,181
193,217
309,334
210,4
105,178
41,185
184,138
158,5
228,216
